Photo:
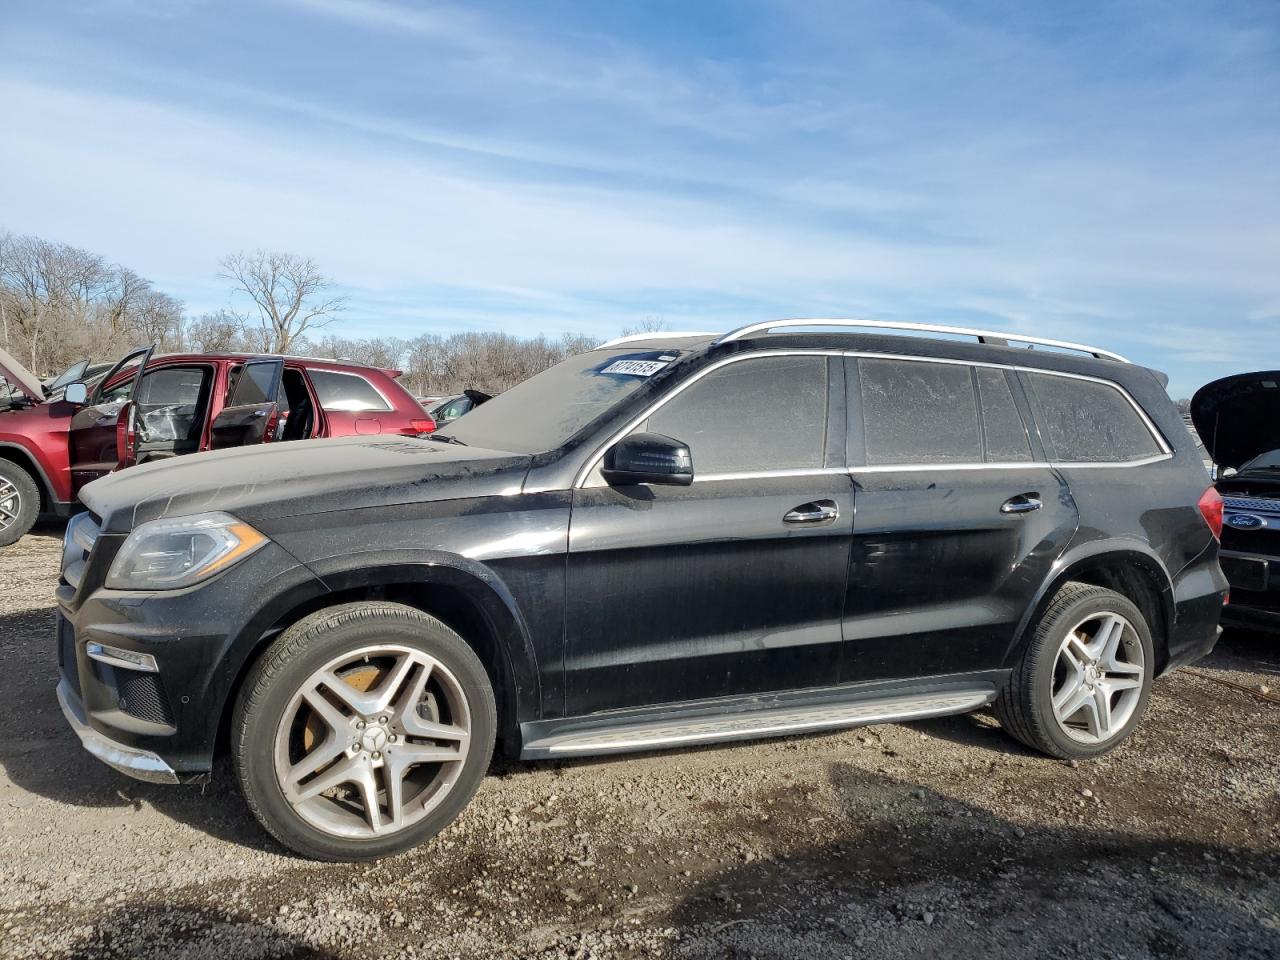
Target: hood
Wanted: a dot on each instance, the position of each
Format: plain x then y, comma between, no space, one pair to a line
22,378
279,480
1238,418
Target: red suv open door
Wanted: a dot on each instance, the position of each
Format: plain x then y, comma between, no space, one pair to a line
252,410
102,431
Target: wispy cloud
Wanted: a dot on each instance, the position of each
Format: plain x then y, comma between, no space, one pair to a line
1109,178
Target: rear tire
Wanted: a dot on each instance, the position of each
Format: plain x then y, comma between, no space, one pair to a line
362,731
19,502
1084,678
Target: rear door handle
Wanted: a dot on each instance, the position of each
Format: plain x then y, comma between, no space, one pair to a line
820,511
1022,503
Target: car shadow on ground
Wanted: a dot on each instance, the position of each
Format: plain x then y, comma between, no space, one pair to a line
178,932
921,874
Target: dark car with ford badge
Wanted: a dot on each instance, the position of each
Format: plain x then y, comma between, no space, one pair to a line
1238,418
613,556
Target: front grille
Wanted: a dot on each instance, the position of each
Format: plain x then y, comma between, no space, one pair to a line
1251,503
141,695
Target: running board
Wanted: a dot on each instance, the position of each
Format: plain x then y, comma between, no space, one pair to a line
594,736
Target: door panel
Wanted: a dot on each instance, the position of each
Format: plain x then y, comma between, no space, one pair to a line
680,593
251,410
940,575
735,583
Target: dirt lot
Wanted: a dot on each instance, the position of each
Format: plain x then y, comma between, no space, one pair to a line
937,839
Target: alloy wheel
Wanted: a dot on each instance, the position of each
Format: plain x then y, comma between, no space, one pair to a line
10,504
1097,678
372,741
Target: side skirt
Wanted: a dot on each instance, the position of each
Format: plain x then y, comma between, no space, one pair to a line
747,718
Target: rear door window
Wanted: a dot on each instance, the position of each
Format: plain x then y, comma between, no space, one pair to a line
349,392
752,416
918,412
254,383
1085,421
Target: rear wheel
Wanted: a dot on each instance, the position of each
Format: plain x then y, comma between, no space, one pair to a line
363,731
1084,679
19,502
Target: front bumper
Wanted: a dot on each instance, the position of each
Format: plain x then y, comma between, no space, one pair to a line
139,764
145,678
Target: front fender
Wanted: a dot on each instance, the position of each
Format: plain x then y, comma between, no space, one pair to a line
477,582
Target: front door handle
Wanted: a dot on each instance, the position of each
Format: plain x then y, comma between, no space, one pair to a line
820,511
1022,503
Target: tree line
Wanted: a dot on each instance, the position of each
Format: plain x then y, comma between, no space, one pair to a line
60,303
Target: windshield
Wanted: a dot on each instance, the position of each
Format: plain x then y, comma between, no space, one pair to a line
1267,461
69,375
546,410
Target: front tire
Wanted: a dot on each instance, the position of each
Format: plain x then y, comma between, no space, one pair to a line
19,502
1083,681
363,731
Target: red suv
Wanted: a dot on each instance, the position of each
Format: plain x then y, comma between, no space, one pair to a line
54,439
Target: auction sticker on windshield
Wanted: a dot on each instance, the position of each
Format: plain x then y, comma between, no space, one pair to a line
642,365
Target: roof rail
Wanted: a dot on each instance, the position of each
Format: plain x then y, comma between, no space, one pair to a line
983,336
658,335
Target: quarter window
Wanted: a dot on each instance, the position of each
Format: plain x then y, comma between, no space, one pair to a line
754,415
918,413
1088,422
346,391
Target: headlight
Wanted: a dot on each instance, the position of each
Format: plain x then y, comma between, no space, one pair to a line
168,554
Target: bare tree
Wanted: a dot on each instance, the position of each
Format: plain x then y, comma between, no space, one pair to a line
219,332
289,292
650,324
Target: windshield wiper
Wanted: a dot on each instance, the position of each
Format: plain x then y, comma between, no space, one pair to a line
445,438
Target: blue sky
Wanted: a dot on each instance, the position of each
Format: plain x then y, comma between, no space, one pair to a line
1106,172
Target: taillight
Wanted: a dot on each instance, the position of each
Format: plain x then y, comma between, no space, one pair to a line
422,426
1211,509
125,436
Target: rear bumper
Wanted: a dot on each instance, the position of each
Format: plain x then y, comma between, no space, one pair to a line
1198,594
139,764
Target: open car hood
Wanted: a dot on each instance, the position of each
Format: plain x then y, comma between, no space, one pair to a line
1238,418
21,377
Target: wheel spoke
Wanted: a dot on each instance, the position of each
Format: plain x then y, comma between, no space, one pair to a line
1107,639
393,776
333,747
1067,703
344,771
1101,712
366,782
335,719
1116,684
410,754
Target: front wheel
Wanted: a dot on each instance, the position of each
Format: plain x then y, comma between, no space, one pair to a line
363,731
1083,681
19,502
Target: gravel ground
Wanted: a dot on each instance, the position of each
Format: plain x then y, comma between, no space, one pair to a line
935,839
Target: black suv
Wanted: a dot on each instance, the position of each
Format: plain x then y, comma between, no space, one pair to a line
619,555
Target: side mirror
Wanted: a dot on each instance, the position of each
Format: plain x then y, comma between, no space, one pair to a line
648,458
75,393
